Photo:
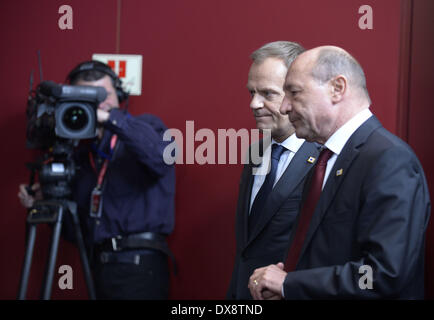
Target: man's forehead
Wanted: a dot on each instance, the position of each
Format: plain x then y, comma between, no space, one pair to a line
269,66
304,61
300,68
299,65
292,76
266,76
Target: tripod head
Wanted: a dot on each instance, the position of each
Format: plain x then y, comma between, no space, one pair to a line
56,169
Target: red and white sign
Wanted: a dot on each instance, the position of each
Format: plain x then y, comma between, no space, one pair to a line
128,67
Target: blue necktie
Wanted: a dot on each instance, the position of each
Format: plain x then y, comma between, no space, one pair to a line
267,186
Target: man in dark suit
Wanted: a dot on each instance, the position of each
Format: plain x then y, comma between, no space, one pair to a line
361,231
268,203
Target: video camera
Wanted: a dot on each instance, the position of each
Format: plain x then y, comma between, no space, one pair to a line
62,111
57,117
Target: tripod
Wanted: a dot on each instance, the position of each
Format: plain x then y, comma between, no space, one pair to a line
52,212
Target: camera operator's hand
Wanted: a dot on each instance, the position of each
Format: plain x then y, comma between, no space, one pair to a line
26,199
102,115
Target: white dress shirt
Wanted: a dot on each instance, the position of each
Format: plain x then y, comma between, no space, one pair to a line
338,140
291,144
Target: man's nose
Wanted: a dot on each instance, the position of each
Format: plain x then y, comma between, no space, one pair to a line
285,107
256,102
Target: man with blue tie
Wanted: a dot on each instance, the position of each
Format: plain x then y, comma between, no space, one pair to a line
361,230
268,203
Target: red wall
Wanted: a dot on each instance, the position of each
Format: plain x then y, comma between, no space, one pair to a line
195,64
25,27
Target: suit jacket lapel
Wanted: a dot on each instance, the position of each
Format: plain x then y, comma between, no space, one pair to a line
345,159
245,192
244,195
293,175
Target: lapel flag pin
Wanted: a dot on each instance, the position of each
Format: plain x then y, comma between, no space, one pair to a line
311,160
339,172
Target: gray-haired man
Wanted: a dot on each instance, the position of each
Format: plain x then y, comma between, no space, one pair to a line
268,204
361,231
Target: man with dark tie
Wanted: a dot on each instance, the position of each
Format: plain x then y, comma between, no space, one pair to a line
268,203
361,230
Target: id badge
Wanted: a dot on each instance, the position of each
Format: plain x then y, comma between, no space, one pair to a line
96,203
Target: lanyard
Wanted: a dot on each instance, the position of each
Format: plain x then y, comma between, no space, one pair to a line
106,161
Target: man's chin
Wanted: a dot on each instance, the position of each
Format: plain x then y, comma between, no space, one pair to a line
264,129
262,125
301,134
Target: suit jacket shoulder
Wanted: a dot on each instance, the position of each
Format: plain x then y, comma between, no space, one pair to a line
374,213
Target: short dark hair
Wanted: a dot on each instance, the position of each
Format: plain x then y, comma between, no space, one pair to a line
89,75
92,70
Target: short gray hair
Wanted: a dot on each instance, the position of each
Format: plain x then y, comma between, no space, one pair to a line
285,50
331,63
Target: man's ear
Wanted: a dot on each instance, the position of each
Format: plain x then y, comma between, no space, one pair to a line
338,87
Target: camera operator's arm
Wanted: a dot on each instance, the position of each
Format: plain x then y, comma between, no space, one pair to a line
26,199
143,136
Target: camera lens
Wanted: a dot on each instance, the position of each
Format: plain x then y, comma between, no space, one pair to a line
75,118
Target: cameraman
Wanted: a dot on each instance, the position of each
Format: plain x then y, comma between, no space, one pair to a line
126,230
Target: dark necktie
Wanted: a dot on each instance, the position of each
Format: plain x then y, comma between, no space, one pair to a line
267,186
308,209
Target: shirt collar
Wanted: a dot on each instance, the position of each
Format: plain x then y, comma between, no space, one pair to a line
292,143
338,139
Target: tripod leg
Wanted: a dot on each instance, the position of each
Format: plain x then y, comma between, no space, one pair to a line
48,281
83,256
31,236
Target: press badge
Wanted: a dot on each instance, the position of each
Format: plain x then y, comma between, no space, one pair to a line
96,203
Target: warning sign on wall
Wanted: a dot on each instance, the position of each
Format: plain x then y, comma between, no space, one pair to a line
128,67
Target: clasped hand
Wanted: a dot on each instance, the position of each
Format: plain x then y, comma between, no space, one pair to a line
266,283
